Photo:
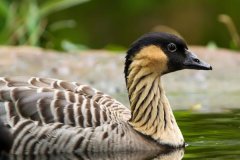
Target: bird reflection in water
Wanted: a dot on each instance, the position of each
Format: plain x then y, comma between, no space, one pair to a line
176,154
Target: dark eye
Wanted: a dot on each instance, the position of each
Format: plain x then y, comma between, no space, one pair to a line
172,47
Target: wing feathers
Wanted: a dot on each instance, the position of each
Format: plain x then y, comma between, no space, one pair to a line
44,112
68,111
49,100
11,113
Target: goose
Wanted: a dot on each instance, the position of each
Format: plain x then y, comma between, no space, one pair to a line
44,116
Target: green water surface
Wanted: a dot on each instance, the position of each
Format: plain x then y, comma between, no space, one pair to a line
211,136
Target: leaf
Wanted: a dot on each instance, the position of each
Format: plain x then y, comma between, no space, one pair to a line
10,25
71,47
57,5
62,25
3,8
11,15
33,25
32,18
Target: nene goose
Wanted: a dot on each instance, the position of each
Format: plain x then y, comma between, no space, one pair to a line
55,116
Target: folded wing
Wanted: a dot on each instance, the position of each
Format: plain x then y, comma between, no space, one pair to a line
49,100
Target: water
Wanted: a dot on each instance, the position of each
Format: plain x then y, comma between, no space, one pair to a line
209,136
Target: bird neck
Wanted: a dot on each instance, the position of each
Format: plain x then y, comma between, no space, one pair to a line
151,113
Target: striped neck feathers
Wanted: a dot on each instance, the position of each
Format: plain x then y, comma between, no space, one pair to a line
151,112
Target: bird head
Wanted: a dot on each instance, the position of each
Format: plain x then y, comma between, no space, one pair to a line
162,53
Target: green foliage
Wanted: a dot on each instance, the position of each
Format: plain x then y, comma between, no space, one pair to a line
25,22
105,22
232,29
71,47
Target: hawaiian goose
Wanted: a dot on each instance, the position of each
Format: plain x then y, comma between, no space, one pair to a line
41,115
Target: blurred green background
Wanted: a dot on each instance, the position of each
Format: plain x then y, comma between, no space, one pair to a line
80,24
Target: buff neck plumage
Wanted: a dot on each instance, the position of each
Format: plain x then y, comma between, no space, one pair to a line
151,112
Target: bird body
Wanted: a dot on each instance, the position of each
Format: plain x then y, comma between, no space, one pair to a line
54,116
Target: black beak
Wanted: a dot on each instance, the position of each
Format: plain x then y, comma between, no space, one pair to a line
192,62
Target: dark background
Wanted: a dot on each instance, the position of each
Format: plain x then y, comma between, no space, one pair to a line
114,24
104,22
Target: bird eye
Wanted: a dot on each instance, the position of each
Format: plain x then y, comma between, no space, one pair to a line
172,47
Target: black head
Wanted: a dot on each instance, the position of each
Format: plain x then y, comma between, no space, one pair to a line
169,49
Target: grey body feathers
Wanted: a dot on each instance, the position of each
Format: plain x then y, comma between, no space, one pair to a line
54,116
